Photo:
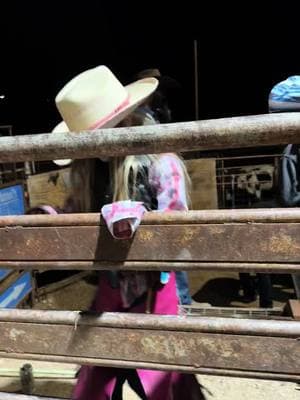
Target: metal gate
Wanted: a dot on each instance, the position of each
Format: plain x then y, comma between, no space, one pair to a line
260,240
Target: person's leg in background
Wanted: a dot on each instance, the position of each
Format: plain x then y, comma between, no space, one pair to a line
265,291
248,287
183,290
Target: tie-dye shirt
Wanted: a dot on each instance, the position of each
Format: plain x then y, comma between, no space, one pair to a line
167,180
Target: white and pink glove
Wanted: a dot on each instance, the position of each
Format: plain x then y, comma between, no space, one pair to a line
123,217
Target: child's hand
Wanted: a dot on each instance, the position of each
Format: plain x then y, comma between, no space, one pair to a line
123,217
122,229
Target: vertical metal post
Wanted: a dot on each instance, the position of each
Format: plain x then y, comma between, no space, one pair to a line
223,186
232,191
196,79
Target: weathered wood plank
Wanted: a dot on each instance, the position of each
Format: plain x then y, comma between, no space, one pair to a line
169,348
249,243
204,194
294,307
52,187
53,287
222,133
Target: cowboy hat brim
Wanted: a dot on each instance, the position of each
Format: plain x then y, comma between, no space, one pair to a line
138,92
61,128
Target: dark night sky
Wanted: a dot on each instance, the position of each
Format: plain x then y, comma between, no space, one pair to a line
243,51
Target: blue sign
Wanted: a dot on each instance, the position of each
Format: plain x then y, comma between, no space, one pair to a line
16,292
12,200
11,203
4,273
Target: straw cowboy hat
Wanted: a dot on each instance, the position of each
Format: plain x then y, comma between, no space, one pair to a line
97,99
61,128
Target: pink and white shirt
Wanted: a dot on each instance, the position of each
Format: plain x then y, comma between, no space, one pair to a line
166,177
167,180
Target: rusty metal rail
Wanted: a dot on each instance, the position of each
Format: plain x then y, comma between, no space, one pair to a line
238,240
270,268
273,215
287,329
246,240
236,132
200,345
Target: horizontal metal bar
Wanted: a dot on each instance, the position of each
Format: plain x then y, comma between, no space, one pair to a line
236,240
259,327
199,310
143,365
250,156
157,342
210,243
236,132
271,268
228,183
270,215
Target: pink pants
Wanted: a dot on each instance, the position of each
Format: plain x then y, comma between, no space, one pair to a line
98,383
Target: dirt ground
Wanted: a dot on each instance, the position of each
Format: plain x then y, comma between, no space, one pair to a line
205,287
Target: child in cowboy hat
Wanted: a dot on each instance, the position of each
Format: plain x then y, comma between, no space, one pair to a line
156,110
124,188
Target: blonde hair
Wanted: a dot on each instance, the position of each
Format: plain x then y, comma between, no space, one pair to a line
124,173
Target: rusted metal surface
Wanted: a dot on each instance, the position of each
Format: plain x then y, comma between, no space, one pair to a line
271,268
274,215
263,354
93,343
236,132
253,240
157,366
213,325
13,396
266,239
241,243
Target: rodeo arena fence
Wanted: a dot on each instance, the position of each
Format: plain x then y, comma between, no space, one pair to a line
260,240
